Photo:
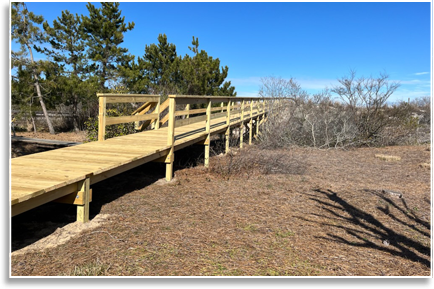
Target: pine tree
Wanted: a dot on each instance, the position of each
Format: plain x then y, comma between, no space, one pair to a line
27,35
104,31
201,74
132,76
160,65
68,51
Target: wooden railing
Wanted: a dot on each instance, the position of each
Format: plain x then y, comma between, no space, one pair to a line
232,111
151,101
239,108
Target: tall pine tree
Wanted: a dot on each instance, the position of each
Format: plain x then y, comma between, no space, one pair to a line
104,31
68,51
27,34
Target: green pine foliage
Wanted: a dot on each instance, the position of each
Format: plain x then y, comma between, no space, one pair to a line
84,56
162,71
104,30
201,74
66,38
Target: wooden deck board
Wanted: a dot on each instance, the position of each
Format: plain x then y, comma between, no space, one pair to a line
54,171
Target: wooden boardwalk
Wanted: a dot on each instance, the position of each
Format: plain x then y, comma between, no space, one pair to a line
66,174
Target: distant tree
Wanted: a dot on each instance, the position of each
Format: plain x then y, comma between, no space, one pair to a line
104,31
201,74
27,34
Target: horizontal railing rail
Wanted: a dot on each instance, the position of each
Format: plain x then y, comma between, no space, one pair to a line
231,110
150,102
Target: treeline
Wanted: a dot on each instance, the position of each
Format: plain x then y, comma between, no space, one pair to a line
84,56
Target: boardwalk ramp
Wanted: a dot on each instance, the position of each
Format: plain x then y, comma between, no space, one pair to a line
65,175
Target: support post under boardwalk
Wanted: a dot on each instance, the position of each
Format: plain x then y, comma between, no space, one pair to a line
251,122
242,124
208,131
83,210
228,123
257,126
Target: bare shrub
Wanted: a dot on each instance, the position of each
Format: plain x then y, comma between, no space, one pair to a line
359,117
366,99
253,160
295,118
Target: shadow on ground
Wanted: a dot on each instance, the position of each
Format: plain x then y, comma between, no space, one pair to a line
31,226
369,231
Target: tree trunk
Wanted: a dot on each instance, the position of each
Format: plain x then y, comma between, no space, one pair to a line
74,113
38,91
34,125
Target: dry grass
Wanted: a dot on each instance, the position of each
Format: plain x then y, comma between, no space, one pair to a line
298,212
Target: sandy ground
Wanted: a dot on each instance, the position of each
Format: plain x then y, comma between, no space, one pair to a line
63,136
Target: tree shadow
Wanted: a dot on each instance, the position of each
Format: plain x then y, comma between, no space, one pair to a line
368,227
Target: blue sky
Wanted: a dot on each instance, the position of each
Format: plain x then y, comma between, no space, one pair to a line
315,43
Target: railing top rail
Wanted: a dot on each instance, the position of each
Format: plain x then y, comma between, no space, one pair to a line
124,98
180,96
212,97
126,95
198,96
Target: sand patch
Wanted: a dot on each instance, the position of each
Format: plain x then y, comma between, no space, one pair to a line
62,235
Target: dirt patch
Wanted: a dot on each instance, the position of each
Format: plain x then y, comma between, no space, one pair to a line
297,212
62,136
22,148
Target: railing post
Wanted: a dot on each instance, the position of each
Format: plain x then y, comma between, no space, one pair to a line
157,109
208,131
242,124
187,108
251,122
257,119
228,124
170,138
101,118
267,108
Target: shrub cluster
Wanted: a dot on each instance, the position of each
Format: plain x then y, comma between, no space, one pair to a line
253,160
323,123
358,116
